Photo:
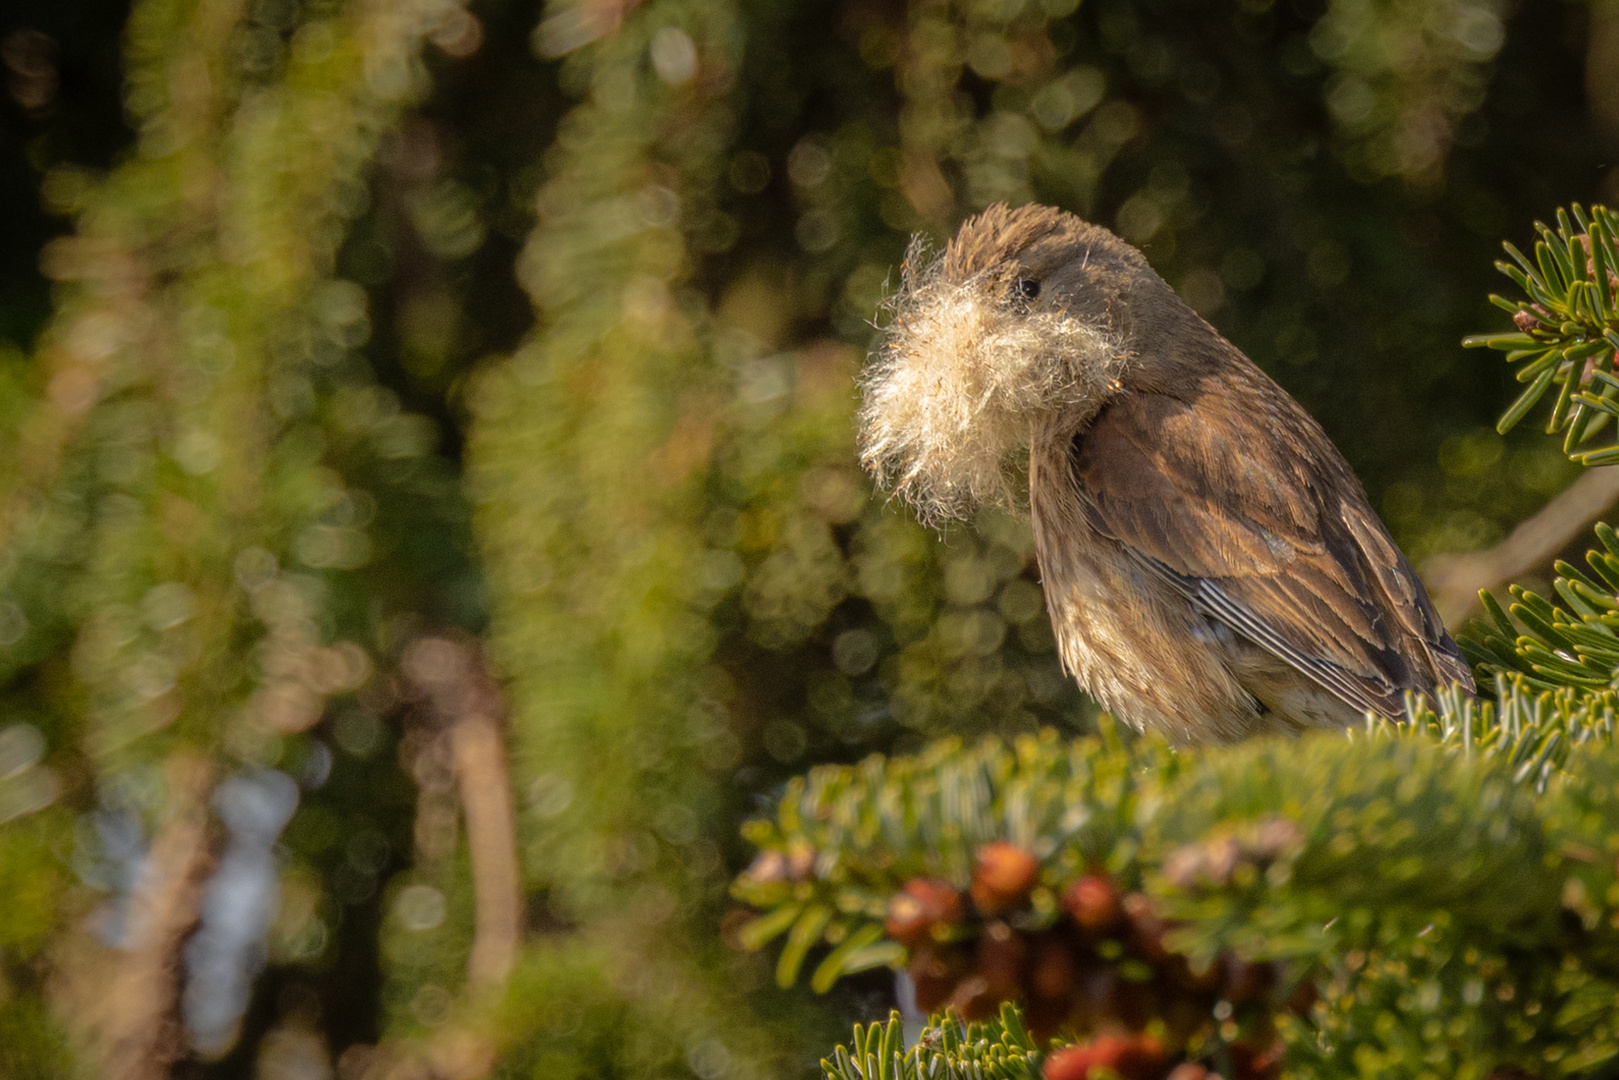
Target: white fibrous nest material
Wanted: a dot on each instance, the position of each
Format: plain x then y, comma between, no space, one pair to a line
960,378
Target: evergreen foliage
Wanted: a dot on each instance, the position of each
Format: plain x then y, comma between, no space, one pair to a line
1420,896
990,1050
383,341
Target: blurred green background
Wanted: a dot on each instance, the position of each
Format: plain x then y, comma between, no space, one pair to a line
429,523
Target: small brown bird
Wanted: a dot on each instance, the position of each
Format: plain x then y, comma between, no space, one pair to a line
1211,565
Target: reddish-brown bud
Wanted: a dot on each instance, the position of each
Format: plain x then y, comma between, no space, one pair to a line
1070,1063
1134,1057
1093,901
920,909
1005,876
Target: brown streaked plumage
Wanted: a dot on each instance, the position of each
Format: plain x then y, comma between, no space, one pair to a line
1211,564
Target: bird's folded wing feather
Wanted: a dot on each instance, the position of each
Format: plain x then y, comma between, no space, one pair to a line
1270,536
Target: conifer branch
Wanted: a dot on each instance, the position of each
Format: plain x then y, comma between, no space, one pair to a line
1255,903
1568,328
952,1049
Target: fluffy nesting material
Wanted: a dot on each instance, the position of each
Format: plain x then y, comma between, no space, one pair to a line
964,373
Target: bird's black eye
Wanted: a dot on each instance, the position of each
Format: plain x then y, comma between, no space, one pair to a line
1027,288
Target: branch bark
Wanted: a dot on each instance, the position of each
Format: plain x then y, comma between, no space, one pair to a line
128,999
462,692
1454,580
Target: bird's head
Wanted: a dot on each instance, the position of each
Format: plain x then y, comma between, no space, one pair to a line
1020,325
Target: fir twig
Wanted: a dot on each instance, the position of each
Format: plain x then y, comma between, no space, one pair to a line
1567,329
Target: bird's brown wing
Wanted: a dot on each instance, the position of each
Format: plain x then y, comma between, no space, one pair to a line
1237,498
